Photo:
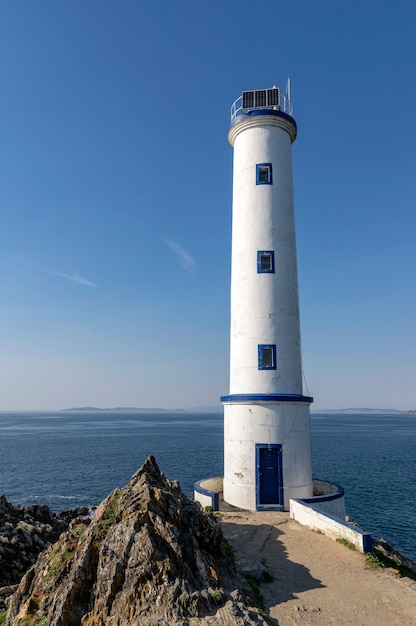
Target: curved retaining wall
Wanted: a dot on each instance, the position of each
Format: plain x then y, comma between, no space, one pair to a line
208,492
329,498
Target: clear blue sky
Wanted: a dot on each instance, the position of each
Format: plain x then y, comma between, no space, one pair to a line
115,196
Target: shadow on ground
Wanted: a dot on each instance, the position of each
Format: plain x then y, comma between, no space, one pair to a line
259,546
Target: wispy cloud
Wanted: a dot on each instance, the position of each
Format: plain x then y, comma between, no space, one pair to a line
76,278
13,309
187,262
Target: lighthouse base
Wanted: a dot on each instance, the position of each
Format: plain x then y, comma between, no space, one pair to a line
267,454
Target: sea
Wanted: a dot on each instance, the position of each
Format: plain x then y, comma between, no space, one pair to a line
67,459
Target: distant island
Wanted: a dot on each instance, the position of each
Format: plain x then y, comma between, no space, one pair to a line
133,409
219,409
364,411
118,409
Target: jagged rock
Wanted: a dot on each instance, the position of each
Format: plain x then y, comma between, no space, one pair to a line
148,557
24,533
67,516
393,558
5,592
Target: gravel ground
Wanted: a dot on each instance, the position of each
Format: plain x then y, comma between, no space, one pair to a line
316,581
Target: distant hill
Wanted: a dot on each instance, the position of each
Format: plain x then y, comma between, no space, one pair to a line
133,409
361,411
119,409
219,409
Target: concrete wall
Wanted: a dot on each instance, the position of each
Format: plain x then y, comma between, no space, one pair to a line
308,515
264,307
329,498
264,311
208,492
269,423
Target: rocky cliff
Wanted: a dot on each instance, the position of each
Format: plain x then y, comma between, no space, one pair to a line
149,557
24,533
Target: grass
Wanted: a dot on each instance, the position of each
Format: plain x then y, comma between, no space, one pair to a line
255,588
109,517
229,550
31,612
217,595
57,561
346,543
371,561
3,615
79,530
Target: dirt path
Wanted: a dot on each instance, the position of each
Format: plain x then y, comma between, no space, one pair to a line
316,581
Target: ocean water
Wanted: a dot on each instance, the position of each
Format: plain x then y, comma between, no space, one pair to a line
70,459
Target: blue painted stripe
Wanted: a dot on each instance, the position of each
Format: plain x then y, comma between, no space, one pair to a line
214,495
266,397
326,498
255,112
367,542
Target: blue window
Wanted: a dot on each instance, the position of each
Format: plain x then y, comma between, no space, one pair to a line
265,262
267,357
264,174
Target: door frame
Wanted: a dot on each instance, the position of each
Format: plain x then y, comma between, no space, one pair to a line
278,506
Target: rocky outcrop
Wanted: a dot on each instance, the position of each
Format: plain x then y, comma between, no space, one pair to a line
24,533
392,558
148,557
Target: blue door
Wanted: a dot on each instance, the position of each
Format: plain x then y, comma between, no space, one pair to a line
269,478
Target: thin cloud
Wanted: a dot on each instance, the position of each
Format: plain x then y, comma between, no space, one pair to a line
187,262
13,309
76,278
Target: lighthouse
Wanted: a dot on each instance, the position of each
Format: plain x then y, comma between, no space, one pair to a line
267,447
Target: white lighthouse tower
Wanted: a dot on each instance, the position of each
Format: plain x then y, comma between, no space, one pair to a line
267,448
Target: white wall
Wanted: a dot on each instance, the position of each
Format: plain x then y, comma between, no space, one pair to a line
264,310
264,307
282,423
308,515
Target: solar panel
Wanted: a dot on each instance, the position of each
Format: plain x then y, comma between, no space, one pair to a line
260,98
248,99
273,97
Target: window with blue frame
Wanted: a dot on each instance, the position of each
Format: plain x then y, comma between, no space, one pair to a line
265,262
264,174
267,357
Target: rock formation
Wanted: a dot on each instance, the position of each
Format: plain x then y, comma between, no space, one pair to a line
24,533
392,558
148,557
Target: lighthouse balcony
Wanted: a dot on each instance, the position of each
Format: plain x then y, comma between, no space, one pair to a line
261,100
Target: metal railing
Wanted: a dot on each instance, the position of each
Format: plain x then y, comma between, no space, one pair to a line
237,107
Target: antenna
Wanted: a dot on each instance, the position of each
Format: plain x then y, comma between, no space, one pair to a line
288,88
